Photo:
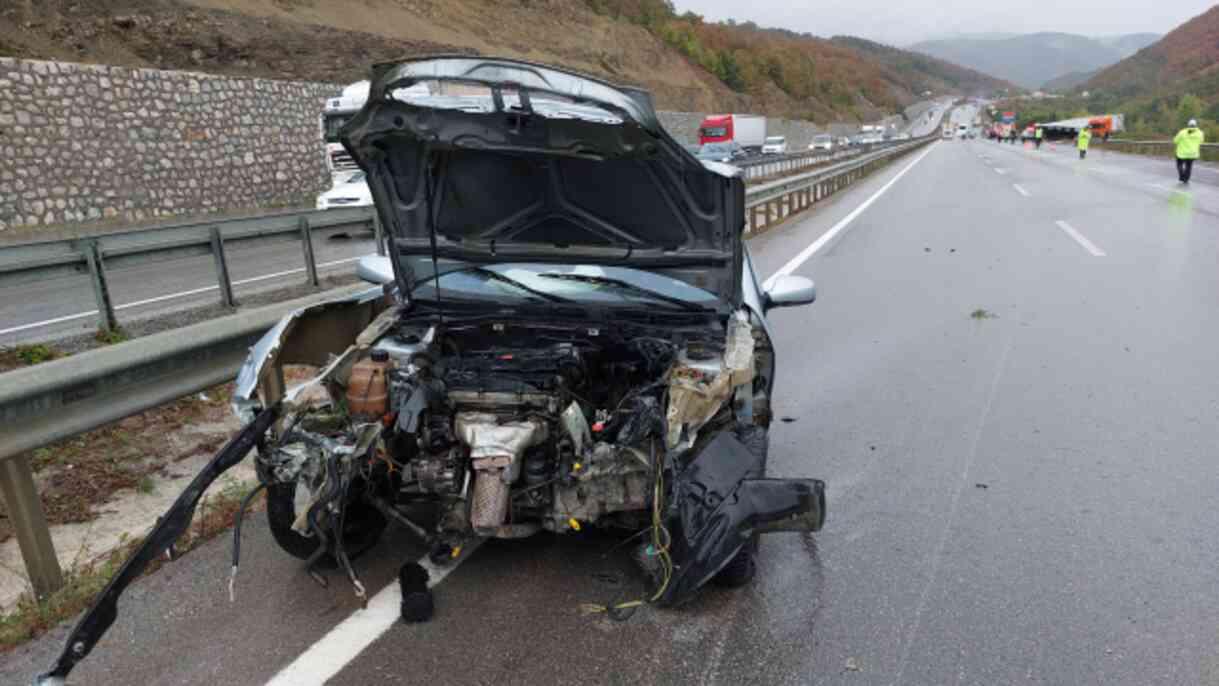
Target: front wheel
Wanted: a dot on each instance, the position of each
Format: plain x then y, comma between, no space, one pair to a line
362,528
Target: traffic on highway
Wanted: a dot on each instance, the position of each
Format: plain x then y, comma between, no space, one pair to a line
941,410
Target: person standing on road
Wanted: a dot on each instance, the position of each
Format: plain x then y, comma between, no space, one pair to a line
1038,134
1085,137
1189,148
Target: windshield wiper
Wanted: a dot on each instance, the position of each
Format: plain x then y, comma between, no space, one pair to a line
626,286
496,276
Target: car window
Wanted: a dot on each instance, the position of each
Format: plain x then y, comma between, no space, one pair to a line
475,283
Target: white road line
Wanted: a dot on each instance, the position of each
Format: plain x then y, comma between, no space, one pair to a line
334,651
795,262
999,171
170,296
1080,238
1020,190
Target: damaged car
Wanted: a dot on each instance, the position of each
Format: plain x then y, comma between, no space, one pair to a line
569,334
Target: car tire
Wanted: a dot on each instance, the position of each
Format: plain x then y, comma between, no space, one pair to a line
363,525
743,566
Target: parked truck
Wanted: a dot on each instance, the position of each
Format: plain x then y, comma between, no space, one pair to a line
747,130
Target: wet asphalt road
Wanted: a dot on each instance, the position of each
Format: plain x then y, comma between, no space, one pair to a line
1022,497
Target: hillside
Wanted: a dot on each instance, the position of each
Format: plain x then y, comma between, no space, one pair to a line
1185,56
1068,82
687,63
1166,84
1034,59
1130,43
925,73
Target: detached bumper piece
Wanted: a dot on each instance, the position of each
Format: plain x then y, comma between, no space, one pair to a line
721,501
97,620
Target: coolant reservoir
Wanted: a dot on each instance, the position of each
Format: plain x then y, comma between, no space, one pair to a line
368,387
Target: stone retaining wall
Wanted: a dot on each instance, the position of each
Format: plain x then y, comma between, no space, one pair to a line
86,143
82,143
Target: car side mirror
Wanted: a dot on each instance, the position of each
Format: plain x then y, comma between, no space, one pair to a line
790,290
375,269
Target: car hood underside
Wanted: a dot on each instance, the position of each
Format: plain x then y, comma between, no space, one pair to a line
486,160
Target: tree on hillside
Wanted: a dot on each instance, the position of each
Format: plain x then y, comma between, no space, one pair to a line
1190,107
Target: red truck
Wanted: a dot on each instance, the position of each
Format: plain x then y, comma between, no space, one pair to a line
748,130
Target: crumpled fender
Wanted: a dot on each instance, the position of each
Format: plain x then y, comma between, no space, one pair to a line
721,499
309,335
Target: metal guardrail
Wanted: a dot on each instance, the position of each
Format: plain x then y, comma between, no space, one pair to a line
94,254
765,166
62,398
1210,151
769,203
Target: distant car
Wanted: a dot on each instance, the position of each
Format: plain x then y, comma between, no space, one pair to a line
902,137
844,142
822,141
721,152
774,145
352,191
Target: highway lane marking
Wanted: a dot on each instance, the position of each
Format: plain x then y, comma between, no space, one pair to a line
334,651
170,296
804,255
1000,172
1080,238
1020,190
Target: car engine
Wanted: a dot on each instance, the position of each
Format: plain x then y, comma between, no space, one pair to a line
509,428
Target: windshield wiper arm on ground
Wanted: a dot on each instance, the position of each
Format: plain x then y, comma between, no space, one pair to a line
626,286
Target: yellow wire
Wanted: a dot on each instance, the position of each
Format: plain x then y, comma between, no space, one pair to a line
662,551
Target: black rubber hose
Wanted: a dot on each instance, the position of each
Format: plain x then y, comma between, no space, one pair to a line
237,520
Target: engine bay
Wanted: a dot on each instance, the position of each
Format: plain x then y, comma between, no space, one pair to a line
510,428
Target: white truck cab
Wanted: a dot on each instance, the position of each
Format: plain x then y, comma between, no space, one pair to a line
335,113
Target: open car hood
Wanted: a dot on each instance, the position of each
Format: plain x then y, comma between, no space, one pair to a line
477,160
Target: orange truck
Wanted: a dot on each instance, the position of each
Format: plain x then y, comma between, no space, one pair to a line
1106,125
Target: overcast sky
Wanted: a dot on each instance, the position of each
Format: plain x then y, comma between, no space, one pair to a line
902,23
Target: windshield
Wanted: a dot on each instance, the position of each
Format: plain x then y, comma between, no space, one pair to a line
774,140
715,131
821,139
524,282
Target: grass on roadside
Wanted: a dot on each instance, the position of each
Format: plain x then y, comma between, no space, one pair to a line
32,618
78,474
27,356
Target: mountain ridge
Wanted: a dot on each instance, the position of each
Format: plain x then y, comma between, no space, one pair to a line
1035,59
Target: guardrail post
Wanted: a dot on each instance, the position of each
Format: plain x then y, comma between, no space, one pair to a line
30,525
106,321
307,245
222,269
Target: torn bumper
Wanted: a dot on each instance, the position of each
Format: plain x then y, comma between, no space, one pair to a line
721,500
